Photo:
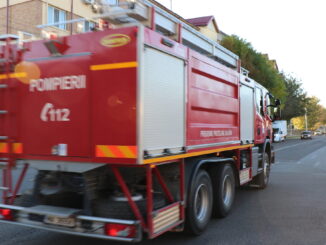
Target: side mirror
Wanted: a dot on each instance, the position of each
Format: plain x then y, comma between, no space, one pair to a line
277,102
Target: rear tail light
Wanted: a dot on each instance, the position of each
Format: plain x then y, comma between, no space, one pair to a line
120,230
6,214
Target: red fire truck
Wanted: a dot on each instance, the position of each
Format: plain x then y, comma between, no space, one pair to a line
136,130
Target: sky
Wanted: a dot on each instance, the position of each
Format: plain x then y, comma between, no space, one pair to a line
293,32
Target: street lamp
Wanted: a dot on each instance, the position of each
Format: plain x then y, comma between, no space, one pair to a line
305,118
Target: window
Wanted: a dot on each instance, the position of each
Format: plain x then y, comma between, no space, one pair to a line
259,101
56,15
268,105
88,26
111,2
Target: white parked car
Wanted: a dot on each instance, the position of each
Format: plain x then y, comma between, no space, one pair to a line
278,135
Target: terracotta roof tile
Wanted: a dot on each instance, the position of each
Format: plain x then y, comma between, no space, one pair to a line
201,21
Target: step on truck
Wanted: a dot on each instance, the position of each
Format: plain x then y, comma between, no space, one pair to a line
138,129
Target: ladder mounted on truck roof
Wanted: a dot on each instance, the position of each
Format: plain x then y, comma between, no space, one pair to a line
168,24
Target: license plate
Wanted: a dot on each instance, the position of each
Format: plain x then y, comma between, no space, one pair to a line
54,220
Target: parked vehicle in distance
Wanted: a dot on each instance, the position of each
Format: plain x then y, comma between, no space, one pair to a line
279,130
306,135
278,135
317,132
322,129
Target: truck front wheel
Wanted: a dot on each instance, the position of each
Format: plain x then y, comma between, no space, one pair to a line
263,177
200,199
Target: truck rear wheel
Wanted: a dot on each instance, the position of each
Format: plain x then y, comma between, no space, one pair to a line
224,190
200,199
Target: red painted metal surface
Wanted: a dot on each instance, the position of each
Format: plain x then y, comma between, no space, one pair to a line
153,27
213,102
75,100
263,123
85,98
155,39
149,199
101,109
19,182
67,105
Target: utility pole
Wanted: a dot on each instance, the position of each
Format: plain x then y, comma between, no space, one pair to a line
305,118
171,4
7,25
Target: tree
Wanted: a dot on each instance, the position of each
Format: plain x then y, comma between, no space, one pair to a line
260,68
314,110
323,116
285,87
296,100
298,122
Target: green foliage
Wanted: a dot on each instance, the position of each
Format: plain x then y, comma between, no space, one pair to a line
316,115
296,99
313,111
260,67
322,119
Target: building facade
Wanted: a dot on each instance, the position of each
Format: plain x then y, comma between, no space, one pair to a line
26,15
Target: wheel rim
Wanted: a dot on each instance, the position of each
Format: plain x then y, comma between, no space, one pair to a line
201,202
227,191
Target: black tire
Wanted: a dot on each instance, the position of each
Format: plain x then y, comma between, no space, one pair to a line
199,203
223,190
105,207
262,179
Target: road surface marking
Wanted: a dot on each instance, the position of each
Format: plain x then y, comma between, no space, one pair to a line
290,146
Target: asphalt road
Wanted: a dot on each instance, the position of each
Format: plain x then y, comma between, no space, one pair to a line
292,210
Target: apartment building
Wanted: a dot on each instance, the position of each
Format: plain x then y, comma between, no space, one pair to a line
26,15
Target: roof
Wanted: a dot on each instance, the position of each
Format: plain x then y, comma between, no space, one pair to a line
173,13
201,21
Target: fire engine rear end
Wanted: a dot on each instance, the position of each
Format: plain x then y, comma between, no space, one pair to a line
72,102
130,131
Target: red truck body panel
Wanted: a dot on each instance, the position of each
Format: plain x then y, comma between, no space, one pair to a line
72,101
213,102
83,106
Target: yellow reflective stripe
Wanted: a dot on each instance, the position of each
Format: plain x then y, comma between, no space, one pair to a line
17,148
105,151
126,151
116,151
4,76
3,147
13,75
18,75
114,66
193,154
